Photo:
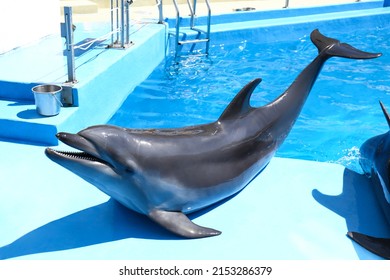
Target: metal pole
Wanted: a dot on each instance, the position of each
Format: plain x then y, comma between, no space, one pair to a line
194,7
177,27
160,11
192,11
128,3
67,32
112,21
117,20
208,26
122,28
122,23
286,4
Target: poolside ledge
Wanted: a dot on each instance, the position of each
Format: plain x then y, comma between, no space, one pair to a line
106,77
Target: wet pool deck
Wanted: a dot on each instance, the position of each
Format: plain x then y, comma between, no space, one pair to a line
295,209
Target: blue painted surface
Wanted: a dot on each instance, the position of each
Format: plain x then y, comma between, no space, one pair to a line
294,210
278,13
105,76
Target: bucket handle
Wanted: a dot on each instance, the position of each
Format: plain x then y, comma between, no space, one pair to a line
59,101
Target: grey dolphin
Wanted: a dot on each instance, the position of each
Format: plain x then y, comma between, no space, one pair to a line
167,173
375,162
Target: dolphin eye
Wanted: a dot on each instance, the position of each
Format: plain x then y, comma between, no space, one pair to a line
126,167
129,170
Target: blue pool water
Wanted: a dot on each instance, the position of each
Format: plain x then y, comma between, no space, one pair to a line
341,112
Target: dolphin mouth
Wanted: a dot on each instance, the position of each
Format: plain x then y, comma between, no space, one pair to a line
77,156
87,152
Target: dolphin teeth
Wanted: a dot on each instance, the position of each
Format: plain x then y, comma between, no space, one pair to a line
80,155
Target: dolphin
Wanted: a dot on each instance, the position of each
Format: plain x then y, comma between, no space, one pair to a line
168,173
375,162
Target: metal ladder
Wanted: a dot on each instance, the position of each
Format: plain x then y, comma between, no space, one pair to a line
179,43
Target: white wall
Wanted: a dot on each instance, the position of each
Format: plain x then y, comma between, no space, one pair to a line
25,21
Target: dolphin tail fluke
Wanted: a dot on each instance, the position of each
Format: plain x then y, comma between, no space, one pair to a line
179,224
379,246
333,47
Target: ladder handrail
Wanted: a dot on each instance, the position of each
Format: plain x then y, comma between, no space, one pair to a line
208,24
177,27
192,12
192,8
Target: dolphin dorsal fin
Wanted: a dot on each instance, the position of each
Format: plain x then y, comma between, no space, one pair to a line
240,104
387,116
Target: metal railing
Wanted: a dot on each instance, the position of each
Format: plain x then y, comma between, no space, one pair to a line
159,4
67,29
119,33
192,7
120,23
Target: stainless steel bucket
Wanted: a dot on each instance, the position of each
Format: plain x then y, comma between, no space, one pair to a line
47,99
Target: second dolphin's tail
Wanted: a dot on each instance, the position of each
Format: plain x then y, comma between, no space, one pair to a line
333,47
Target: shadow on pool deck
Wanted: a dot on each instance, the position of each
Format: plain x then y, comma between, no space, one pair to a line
109,222
359,206
106,222
84,228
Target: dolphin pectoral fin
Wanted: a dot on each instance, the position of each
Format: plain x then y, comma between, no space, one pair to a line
179,224
379,246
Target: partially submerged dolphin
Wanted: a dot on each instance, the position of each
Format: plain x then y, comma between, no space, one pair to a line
167,173
375,162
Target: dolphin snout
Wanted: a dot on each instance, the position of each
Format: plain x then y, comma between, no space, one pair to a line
70,139
78,142
62,135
